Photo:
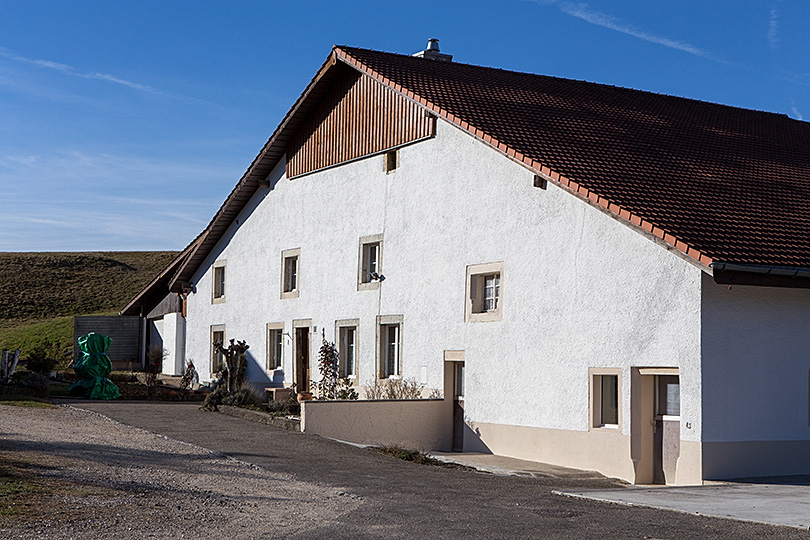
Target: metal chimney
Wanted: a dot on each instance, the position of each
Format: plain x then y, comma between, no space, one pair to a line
432,52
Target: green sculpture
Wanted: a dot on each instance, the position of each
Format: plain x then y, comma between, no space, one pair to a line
93,368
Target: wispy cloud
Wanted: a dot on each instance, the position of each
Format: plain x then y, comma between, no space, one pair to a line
796,114
773,28
73,72
583,11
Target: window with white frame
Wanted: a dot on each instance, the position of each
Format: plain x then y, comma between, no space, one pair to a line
217,359
218,295
389,341
275,346
369,274
605,393
484,284
290,273
347,348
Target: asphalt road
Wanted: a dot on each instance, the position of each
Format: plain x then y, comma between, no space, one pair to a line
406,500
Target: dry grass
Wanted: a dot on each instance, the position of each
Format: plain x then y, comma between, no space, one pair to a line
41,292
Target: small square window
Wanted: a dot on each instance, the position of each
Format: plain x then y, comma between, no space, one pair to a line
605,392
483,298
290,273
218,295
389,341
275,346
369,268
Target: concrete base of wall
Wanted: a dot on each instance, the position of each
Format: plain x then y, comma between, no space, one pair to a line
741,459
422,424
605,450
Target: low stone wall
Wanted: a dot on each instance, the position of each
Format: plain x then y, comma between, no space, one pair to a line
290,424
422,424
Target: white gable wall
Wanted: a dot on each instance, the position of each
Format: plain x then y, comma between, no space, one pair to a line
580,290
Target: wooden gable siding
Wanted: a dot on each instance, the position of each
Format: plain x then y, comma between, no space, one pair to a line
359,117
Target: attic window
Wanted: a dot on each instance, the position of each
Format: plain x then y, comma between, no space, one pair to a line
390,161
540,182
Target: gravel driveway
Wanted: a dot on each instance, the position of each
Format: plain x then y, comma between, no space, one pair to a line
102,479
106,480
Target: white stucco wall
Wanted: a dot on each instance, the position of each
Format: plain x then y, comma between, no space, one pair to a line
174,326
756,360
579,289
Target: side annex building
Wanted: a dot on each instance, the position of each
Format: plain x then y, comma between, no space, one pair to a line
618,279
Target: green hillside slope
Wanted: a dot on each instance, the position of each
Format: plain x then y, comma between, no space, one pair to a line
40,292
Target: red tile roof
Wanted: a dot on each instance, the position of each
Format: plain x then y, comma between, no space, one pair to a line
718,183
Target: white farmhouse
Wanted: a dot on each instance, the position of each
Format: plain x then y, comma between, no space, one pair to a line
618,278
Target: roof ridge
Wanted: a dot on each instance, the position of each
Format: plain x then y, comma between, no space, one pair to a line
582,81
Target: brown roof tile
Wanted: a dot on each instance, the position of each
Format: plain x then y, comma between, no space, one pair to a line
719,183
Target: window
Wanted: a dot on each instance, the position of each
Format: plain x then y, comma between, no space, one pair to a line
290,273
389,341
390,161
217,358
605,392
275,346
668,390
369,272
346,332
484,287
219,283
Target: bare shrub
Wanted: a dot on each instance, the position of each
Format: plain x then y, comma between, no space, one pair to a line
394,389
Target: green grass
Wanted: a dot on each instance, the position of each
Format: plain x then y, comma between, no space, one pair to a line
24,401
41,292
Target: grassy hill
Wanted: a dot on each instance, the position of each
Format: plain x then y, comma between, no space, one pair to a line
41,292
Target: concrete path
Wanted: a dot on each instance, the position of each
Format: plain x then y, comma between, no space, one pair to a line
778,504
406,500
775,501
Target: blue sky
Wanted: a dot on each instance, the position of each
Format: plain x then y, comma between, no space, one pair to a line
124,125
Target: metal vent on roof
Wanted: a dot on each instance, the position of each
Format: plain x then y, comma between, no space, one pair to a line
432,52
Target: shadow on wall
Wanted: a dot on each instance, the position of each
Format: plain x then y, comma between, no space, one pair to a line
472,440
257,377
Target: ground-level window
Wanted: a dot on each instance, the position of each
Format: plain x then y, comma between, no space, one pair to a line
275,345
483,297
347,348
217,358
290,270
605,392
389,341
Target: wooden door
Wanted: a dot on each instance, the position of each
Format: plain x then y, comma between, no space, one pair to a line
302,359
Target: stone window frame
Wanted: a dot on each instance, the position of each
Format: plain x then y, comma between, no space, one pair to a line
218,285
474,292
292,292
279,361
595,378
383,323
363,282
348,323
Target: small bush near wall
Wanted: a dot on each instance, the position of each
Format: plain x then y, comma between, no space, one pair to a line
394,389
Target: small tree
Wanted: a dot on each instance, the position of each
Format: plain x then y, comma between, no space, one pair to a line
328,359
235,363
331,385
